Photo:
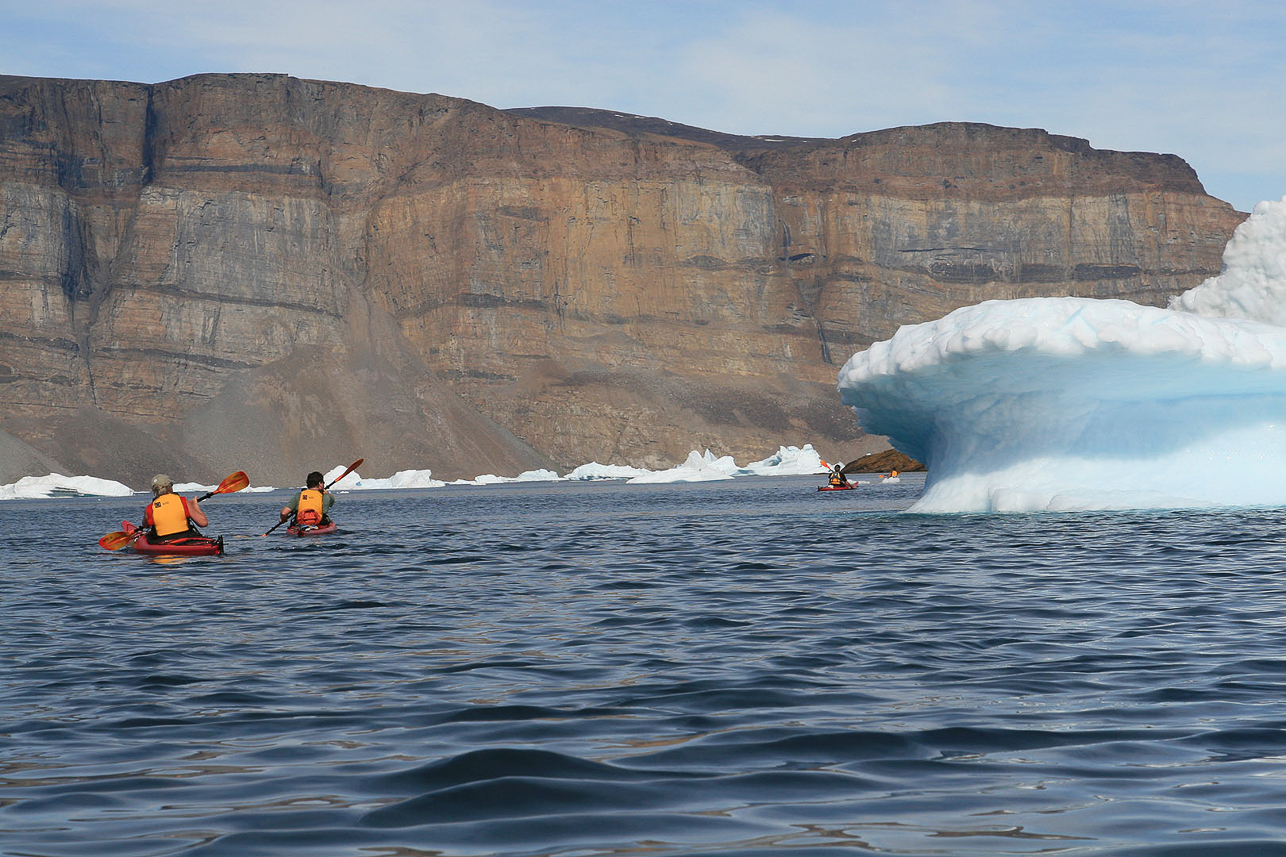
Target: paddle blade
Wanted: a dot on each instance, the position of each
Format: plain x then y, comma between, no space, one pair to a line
117,540
235,482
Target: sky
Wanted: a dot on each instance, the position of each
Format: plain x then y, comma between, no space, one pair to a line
1202,80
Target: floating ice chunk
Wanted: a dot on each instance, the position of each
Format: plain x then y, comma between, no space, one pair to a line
525,476
787,461
401,479
57,485
594,470
198,488
538,476
193,488
349,482
697,468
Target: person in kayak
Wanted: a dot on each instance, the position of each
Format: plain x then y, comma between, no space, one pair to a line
169,515
837,478
311,505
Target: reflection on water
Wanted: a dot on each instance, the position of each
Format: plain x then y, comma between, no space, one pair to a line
601,669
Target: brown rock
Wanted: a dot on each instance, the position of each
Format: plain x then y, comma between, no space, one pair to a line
884,462
232,268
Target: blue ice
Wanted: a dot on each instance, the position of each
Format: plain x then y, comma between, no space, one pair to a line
1067,404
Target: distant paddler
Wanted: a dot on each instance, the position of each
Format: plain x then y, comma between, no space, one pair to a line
307,499
310,507
836,477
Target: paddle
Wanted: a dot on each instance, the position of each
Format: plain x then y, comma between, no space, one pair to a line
233,483
356,464
119,539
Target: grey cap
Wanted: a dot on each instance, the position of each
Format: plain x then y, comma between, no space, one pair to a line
160,480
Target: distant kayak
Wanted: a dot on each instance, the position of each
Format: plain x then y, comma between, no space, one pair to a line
316,530
186,546
849,487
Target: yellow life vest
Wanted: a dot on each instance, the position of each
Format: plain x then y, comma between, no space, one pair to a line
310,509
836,479
169,515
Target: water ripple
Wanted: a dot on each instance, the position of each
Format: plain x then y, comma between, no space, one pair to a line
599,670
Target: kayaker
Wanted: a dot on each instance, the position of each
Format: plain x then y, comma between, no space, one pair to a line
169,515
311,505
837,477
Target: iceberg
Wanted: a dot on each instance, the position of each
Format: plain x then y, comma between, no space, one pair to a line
525,476
1068,404
401,479
57,485
787,461
193,488
594,470
698,467
198,488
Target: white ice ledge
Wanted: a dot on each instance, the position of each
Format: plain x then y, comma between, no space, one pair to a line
1071,404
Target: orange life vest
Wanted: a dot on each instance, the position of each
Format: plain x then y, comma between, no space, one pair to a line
169,515
310,509
837,479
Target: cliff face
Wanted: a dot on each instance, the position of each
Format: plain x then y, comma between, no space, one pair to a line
271,274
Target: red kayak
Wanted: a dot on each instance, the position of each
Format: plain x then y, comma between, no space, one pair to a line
186,546
849,487
314,530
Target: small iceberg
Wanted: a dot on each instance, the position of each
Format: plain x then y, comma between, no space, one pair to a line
525,476
787,461
697,468
594,470
401,479
198,488
57,485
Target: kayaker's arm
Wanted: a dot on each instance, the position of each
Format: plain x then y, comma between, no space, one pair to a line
198,517
288,510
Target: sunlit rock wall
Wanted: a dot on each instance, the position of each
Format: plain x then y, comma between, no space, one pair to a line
322,266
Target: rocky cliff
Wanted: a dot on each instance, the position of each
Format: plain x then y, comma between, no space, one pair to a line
263,273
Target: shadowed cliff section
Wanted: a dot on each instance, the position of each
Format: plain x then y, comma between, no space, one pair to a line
233,268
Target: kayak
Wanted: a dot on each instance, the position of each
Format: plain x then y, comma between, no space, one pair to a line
315,530
849,487
187,546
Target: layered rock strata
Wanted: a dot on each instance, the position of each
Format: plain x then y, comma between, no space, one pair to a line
263,273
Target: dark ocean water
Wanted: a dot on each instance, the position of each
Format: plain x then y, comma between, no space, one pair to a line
744,667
